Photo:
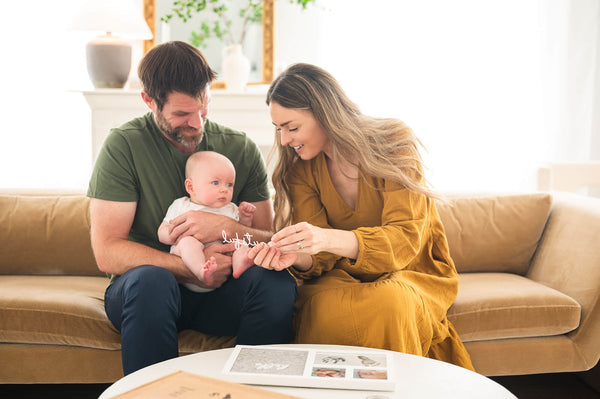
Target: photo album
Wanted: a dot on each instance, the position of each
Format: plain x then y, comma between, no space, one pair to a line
184,385
364,370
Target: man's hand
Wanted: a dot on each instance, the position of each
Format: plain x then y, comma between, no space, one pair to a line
204,226
208,227
222,254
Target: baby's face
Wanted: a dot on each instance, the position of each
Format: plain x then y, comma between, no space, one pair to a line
213,186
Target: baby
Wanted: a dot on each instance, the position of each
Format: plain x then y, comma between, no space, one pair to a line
209,182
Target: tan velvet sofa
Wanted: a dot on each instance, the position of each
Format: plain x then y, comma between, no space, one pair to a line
528,299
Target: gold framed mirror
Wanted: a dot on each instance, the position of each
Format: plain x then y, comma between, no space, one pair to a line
268,42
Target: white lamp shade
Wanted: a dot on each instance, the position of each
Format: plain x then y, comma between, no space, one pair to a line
120,17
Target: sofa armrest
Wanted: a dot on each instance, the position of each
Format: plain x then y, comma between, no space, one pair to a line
568,260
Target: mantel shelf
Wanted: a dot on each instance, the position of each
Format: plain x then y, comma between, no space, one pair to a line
245,111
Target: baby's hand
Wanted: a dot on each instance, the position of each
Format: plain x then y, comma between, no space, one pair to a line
246,208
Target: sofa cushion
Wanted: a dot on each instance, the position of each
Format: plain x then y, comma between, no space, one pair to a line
494,233
69,310
46,235
64,310
503,305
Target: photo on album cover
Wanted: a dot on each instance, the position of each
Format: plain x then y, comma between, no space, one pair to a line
350,359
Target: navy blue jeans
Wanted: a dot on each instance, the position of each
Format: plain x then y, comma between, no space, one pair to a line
149,308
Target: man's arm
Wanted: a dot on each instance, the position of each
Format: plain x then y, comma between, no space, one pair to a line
111,222
262,219
207,227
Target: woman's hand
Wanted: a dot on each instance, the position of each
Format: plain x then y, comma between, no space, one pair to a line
294,245
301,238
305,239
271,258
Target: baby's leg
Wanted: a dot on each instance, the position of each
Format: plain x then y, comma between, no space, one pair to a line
191,252
240,262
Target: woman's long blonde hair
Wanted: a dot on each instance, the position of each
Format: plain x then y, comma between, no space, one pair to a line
383,147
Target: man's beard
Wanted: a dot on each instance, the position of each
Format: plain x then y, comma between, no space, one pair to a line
176,134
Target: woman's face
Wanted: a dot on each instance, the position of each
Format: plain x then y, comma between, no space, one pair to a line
300,130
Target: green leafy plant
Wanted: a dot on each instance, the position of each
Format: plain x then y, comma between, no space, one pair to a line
223,18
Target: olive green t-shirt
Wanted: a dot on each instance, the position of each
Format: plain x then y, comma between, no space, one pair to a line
138,163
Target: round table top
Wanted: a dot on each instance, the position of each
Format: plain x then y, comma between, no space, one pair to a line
416,376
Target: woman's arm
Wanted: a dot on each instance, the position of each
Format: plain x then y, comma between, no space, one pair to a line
294,245
307,205
379,249
306,238
404,232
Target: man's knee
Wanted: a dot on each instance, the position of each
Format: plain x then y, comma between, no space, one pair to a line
269,277
150,284
143,294
270,285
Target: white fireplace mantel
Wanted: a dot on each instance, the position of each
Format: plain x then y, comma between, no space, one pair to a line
245,111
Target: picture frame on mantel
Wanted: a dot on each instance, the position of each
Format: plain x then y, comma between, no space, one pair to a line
268,40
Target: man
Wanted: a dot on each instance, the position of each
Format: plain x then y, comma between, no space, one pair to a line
138,173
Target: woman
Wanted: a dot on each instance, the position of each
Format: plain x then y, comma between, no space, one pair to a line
363,233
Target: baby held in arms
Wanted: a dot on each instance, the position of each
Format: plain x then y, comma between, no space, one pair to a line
209,182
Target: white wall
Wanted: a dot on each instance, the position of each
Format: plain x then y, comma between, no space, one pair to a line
45,133
46,127
465,75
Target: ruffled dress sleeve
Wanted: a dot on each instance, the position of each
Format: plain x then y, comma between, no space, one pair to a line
404,230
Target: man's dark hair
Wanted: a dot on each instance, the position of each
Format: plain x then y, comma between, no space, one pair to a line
174,67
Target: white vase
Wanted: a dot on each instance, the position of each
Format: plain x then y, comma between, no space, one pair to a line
235,67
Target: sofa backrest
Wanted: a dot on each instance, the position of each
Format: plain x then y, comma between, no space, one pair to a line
494,233
46,234
50,234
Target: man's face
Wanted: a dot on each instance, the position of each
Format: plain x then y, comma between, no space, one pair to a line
182,119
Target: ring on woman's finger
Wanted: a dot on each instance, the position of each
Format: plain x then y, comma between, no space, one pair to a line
300,245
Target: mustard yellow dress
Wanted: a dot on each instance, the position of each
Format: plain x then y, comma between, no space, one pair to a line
395,295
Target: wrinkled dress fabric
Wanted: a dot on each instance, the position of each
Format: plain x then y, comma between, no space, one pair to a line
397,292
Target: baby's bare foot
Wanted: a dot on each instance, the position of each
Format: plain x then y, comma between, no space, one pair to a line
240,262
209,269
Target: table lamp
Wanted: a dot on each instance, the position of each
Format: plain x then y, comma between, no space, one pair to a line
109,54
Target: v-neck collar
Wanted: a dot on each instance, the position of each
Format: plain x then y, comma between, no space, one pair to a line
329,181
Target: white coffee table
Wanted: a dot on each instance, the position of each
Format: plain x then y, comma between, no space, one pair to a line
418,377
